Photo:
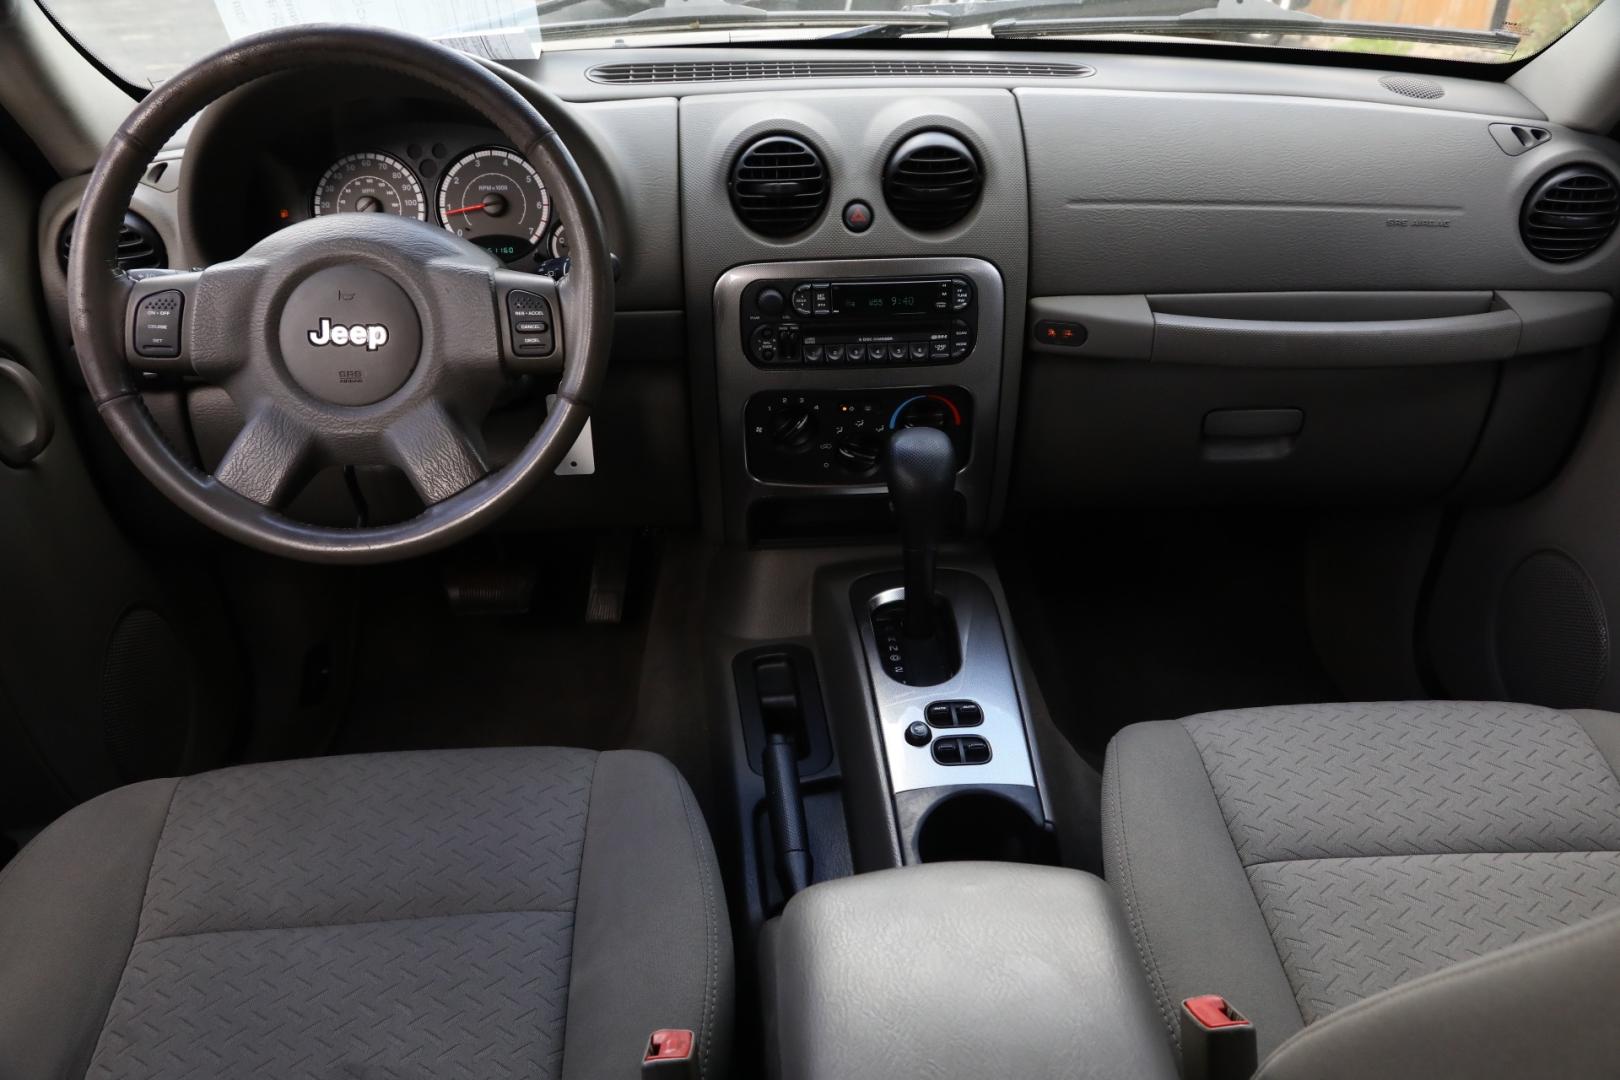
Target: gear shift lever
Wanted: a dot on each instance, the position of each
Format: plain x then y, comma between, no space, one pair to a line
921,467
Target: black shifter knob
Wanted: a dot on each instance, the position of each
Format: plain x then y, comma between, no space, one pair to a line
921,467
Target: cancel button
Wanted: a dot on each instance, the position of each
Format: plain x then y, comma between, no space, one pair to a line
350,336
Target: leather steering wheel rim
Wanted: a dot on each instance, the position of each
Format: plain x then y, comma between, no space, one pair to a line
100,311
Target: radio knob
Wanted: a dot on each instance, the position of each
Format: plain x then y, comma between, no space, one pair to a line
770,302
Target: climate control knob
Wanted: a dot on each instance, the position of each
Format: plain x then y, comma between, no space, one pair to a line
793,428
858,452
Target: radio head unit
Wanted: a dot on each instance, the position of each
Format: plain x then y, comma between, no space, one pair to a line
859,322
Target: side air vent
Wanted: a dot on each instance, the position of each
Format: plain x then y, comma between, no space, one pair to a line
747,70
1413,87
1570,213
778,186
139,246
931,181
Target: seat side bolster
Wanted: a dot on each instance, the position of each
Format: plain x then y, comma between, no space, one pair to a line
1544,1007
1188,900
1603,728
652,940
70,905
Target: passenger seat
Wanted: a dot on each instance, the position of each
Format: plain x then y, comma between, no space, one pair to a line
1302,861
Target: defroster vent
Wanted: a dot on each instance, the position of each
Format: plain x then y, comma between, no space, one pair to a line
749,70
779,185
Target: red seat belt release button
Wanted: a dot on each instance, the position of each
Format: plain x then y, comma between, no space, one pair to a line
671,1053
1217,1041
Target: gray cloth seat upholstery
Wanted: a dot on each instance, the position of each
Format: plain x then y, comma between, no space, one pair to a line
1300,860
469,913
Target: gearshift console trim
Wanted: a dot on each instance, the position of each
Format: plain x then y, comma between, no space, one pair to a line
984,678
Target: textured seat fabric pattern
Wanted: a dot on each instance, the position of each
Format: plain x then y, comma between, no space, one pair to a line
1377,843
409,915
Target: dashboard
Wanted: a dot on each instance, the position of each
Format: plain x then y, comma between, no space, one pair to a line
1182,280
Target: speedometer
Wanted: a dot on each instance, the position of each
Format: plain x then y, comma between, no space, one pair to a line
494,198
370,183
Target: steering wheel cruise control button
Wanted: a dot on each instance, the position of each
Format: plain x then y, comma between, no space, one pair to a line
530,316
157,324
349,335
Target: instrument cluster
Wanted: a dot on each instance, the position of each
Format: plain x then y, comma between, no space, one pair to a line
486,192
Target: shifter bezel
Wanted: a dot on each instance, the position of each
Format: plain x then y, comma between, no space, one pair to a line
984,676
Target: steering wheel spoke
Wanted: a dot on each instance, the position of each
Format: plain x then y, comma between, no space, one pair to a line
270,458
439,455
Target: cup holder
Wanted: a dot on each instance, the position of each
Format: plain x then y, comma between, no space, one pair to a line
983,825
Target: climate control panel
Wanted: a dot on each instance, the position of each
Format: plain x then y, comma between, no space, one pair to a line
838,436
859,322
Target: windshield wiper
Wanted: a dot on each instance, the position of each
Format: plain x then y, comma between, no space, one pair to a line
1040,18
722,16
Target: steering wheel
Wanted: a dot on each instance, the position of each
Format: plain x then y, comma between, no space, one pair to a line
349,339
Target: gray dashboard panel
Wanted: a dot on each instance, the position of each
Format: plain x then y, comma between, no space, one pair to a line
855,130
1197,192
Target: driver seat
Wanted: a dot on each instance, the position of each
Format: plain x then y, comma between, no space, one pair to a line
491,913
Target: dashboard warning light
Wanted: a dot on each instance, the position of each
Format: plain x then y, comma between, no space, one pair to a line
284,215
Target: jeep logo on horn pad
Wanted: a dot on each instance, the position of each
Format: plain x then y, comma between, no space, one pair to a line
371,335
349,335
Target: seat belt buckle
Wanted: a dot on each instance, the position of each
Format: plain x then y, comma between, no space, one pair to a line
671,1055
1217,1041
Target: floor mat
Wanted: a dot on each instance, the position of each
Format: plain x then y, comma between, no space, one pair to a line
1152,616
426,677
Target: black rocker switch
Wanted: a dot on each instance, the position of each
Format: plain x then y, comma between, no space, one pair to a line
921,466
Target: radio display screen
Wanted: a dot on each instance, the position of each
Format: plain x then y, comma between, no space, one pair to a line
883,299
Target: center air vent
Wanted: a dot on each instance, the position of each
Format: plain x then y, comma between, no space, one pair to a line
139,246
749,70
1570,214
779,186
931,181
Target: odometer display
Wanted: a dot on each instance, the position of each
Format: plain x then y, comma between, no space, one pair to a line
494,198
370,183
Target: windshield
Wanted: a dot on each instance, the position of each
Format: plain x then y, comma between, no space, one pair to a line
146,43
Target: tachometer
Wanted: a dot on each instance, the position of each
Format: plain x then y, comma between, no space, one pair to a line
495,199
370,183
